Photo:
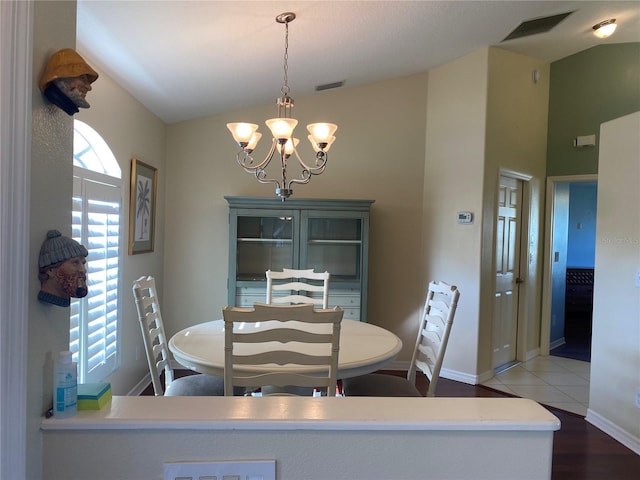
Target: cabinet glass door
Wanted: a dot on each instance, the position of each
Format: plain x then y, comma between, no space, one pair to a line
263,243
334,244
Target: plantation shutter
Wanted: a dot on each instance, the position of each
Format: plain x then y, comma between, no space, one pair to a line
94,318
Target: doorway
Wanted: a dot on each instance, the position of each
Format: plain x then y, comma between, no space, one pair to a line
570,260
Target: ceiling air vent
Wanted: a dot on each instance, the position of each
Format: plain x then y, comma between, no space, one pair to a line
537,25
328,86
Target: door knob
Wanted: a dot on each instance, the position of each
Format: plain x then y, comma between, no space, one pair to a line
519,280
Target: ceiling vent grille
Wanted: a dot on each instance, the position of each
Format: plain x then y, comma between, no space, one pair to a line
537,25
328,86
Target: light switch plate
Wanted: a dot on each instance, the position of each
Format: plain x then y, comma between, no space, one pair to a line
637,278
234,469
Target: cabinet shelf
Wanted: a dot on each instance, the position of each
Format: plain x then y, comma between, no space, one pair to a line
324,235
334,242
265,240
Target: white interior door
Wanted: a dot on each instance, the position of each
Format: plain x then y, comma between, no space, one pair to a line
505,316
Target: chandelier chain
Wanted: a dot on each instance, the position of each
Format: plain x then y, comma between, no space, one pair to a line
285,86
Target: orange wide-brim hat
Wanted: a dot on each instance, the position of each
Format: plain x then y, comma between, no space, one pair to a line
66,63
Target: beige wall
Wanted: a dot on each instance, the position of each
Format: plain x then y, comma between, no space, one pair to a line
454,168
378,154
615,351
51,190
475,129
516,145
130,130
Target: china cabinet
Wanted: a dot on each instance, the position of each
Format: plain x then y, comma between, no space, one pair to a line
325,235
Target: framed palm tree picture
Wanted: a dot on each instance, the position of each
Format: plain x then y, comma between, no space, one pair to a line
142,207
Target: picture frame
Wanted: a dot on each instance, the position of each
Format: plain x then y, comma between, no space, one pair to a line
142,207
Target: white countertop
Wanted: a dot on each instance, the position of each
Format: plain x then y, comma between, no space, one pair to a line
308,413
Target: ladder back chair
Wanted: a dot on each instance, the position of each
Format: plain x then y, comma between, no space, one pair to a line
157,351
297,347
433,336
296,289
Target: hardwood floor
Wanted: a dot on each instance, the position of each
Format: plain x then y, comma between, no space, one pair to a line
580,450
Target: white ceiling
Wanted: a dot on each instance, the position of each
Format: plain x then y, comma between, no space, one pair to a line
189,59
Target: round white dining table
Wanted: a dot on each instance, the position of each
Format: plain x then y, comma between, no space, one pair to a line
364,348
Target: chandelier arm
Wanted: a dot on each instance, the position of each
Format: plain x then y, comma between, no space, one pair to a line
245,160
244,155
321,162
307,171
261,176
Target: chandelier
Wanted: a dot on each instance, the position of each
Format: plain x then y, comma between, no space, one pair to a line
283,143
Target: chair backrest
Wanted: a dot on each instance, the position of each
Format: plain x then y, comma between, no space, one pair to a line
433,334
299,336
298,291
155,340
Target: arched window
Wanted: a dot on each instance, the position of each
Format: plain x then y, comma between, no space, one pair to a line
97,205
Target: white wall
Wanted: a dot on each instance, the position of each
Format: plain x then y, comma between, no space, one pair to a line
615,351
378,154
130,130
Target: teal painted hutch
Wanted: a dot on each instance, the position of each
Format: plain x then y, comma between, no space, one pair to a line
325,235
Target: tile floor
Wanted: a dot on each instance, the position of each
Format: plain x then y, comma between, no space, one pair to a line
554,381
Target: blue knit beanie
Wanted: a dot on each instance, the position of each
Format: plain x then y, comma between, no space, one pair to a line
58,248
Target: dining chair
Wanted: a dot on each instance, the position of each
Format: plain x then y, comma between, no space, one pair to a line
296,289
298,347
158,356
433,335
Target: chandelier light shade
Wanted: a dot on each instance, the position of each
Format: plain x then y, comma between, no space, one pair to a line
605,29
284,145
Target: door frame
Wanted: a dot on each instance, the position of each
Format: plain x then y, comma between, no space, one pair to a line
545,317
525,251
16,38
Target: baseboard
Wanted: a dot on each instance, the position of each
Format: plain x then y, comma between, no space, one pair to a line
459,376
613,431
532,354
485,376
140,386
557,343
444,373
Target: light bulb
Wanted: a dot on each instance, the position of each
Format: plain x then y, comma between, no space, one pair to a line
289,146
281,128
605,29
322,132
242,132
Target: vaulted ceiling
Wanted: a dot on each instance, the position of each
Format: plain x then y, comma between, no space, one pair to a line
189,59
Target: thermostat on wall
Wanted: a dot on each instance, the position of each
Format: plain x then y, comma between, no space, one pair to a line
465,217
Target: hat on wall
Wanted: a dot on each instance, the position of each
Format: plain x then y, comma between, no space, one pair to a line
66,63
58,248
